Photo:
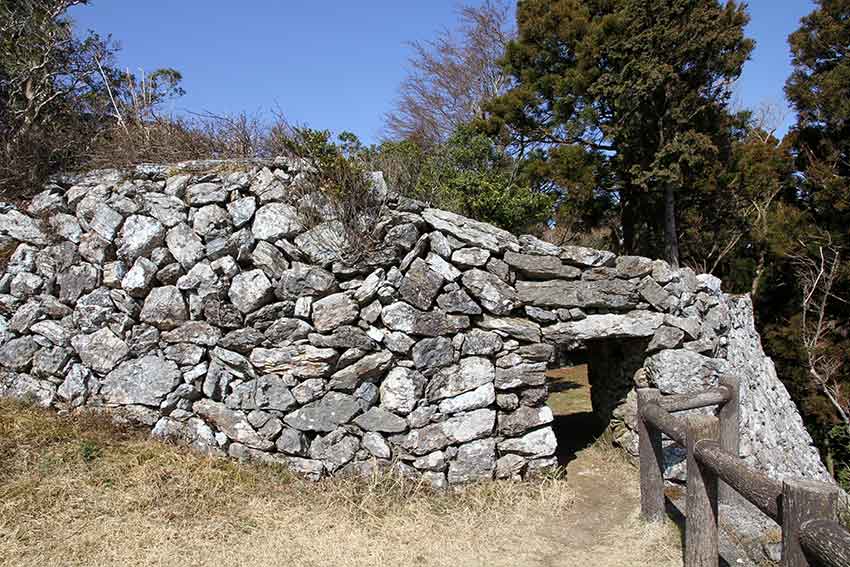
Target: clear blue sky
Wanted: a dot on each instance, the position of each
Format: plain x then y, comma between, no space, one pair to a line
334,63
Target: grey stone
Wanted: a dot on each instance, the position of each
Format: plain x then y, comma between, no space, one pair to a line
420,285
25,285
143,381
186,246
335,449
269,259
379,419
512,371
607,294
370,367
401,390
250,290
18,226
481,397
375,444
272,393
469,426
475,461
654,294
210,221
304,280
164,308
53,331
533,245
441,266
494,295
517,328
402,317
481,343
472,232
276,220
324,243
586,257
292,442
76,386
242,211
76,281
286,329
398,343
301,361
167,209
665,338
510,466
541,266
523,419
139,236
632,324
66,226
633,266
468,374
458,301
204,194
232,423
25,387
538,443
308,390
470,257
100,351
432,354
137,282
333,311
196,332
332,410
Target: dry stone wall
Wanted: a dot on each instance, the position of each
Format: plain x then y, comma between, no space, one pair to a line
195,300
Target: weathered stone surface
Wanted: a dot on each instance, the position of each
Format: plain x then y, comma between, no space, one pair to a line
481,343
273,394
472,232
185,245
276,220
304,280
469,426
301,361
538,443
143,381
164,308
17,354
401,390
327,414
379,419
371,367
402,317
287,329
536,266
137,281
665,338
292,442
481,397
432,354
76,281
250,290
458,301
232,423
420,285
22,228
467,375
323,243
513,371
270,259
683,371
470,257
515,327
495,296
333,311
345,337
335,449
586,257
475,461
607,294
523,419
632,324
139,236
100,351
195,332
25,387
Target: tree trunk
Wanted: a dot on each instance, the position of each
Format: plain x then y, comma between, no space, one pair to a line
671,237
627,217
757,278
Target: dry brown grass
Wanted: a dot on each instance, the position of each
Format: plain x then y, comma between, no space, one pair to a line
79,491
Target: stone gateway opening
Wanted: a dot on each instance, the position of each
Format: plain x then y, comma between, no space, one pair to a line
199,301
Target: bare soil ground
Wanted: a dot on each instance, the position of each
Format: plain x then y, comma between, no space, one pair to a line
80,492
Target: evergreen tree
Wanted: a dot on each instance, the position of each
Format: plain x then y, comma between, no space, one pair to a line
639,85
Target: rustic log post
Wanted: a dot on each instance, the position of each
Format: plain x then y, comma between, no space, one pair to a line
651,461
803,500
701,540
730,427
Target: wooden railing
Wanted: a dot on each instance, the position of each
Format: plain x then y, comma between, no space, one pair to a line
806,510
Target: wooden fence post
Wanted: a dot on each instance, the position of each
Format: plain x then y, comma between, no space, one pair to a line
730,428
701,540
651,461
803,500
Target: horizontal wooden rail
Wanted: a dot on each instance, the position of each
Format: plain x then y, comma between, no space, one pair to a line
667,423
827,541
806,510
762,491
680,402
